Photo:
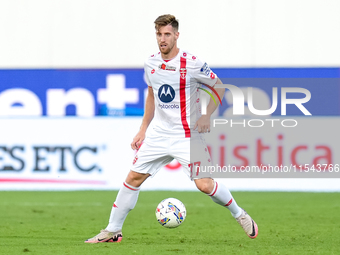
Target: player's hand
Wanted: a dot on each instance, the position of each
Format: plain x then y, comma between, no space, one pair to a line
137,140
203,124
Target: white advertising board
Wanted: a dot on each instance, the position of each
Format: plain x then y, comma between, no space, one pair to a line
94,153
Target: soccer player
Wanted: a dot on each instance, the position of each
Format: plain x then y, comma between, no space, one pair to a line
172,104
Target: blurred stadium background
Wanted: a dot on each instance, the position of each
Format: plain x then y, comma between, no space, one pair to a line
72,88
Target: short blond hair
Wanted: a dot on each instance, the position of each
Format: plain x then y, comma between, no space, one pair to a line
165,20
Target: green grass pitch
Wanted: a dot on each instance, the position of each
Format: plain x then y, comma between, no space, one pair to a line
59,222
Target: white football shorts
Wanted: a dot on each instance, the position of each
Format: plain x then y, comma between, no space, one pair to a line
156,152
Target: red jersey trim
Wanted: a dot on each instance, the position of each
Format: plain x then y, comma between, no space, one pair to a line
183,108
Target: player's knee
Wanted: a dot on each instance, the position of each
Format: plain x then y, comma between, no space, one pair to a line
205,185
136,179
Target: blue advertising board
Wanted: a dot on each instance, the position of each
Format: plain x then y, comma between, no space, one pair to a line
94,92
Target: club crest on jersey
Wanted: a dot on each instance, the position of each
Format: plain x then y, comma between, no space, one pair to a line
166,93
166,67
183,72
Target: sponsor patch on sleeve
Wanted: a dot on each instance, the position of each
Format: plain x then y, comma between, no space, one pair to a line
205,69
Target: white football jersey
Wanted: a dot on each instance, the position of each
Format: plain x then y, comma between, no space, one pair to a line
175,85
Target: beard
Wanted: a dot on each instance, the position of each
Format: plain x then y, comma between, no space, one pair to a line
166,50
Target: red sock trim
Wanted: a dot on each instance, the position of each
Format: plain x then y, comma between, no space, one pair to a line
229,203
129,187
216,185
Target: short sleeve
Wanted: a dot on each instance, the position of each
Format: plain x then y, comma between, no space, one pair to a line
203,74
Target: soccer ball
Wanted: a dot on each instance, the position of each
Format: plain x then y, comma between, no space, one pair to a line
170,213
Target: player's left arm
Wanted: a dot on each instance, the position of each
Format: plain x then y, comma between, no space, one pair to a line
203,123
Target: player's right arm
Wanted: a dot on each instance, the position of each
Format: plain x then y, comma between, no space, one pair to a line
149,112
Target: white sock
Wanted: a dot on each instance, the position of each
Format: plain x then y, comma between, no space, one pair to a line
125,201
222,196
